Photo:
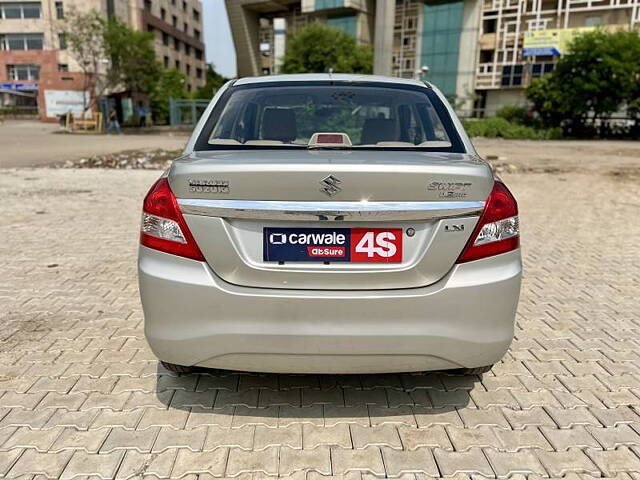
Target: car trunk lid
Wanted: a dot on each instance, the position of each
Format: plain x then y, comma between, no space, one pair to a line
233,199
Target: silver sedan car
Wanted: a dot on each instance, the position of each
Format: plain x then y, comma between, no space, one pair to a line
329,224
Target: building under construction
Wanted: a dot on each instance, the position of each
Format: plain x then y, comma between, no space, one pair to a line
481,53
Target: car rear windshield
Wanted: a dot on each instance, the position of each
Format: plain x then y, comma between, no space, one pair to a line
366,116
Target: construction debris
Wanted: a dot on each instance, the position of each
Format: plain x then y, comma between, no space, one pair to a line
127,160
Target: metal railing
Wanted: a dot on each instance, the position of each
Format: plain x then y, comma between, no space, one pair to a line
186,111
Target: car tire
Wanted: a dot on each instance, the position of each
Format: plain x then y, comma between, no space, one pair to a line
474,371
172,367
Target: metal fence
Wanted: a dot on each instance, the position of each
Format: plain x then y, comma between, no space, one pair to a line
186,111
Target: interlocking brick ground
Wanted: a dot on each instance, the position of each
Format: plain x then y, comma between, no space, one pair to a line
82,396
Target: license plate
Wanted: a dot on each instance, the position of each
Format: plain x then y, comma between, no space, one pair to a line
332,244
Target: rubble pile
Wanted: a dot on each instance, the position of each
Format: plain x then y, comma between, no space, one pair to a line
127,160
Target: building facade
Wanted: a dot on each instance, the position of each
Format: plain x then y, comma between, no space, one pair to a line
177,27
522,40
37,71
480,53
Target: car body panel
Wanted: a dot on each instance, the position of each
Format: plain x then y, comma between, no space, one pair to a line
192,317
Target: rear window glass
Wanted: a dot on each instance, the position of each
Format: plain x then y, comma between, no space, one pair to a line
288,116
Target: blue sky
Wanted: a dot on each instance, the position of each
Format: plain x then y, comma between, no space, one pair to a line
217,37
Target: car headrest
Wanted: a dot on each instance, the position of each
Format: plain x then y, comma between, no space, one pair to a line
376,130
279,124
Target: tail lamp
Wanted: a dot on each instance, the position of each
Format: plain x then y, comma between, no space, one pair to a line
163,226
498,230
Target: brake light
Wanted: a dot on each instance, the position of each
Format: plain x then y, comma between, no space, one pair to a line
498,230
163,226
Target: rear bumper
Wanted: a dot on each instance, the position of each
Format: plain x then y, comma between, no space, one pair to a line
192,317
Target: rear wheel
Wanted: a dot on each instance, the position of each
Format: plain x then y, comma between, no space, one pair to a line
172,367
474,371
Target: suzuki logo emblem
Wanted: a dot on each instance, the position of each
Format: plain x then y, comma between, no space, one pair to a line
330,185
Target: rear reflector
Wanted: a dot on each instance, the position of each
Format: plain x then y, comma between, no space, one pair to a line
498,230
163,226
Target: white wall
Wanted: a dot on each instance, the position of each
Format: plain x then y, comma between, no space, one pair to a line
499,98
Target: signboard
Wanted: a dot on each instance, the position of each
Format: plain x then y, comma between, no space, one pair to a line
550,42
19,86
127,109
59,102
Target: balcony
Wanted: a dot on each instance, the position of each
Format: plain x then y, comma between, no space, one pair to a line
487,41
486,78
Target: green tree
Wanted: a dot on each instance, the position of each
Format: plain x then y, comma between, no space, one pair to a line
84,35
132,56
596,78
214,82
171,84
318,48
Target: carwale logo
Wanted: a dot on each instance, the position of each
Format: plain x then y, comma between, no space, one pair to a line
277,239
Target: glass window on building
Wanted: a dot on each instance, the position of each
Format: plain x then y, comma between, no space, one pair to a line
327,4
174,20
196,15
62,41
542,68
184,6
346,23
147,5
13,10
489,25
31,10
177,64
486,56
196,33
111,8
511,76
63,67
187,49
166,62
442,26
176,44
165,39
535,24
21,41
59,10
163,13
198,54
23,72
198,73
10,11
34,41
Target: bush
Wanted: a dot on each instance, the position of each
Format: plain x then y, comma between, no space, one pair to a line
513,114
497,127
595,79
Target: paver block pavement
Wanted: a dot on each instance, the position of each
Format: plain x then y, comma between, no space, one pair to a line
81,395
